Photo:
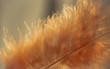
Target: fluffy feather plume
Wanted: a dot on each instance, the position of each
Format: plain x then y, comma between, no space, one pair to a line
68,40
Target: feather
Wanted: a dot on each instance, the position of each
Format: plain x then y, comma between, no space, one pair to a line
68,40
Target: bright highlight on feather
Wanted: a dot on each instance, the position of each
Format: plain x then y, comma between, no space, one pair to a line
68,40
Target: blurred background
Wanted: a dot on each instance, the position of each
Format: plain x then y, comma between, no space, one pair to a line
13,13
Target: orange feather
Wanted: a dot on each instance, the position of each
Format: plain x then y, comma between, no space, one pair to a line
68,40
